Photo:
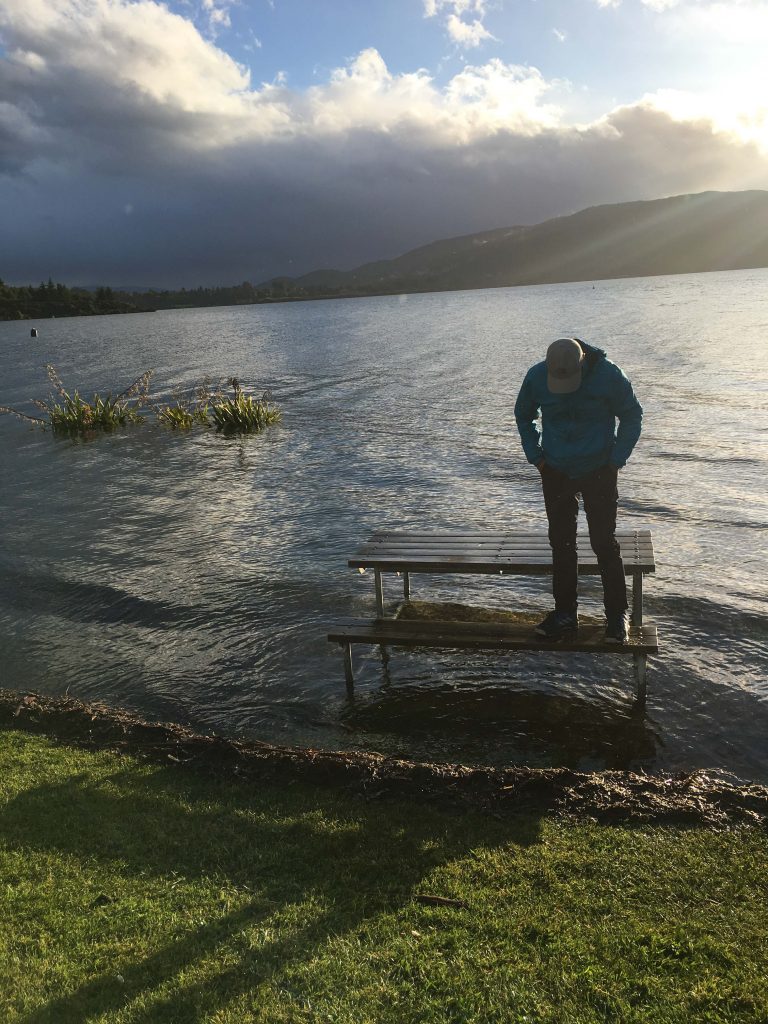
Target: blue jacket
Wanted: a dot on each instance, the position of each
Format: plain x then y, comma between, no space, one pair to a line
578,431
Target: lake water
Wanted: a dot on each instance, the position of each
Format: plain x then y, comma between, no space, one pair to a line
194,577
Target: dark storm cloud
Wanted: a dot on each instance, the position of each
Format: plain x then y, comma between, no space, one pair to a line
139,153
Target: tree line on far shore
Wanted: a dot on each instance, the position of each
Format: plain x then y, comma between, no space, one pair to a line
30,302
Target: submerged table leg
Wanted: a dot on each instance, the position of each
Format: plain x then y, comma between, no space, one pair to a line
379,593
407,586
348,673
637,599
641,661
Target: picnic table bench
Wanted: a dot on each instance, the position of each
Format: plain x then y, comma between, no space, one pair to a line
512,552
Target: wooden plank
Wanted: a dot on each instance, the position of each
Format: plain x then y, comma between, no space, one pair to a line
490,535
643,535
486,566
474,542
487,636
467,545
441,543
472,530
543,548
486,542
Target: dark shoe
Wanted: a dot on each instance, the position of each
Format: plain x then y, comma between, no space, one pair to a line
617,629
558,625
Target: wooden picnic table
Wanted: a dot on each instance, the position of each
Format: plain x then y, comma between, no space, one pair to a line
509,552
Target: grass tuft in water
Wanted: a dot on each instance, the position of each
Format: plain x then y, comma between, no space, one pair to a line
242,414
181,418
71,413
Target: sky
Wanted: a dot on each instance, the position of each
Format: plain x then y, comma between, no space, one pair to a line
204,142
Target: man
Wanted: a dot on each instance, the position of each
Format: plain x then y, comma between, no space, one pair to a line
580,395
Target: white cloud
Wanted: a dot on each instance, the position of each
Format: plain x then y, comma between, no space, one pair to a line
744,120
731,15
467,33
104,70
735,21
463,19
217,15
661,5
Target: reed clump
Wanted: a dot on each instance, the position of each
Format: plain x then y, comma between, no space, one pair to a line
242,414
69,412
188,409
180,417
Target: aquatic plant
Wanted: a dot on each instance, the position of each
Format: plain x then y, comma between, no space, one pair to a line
237,413
181,416
242,414
71,413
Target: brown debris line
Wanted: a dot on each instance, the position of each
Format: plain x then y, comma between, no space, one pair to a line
613,796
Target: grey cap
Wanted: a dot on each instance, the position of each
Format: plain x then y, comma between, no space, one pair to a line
564,361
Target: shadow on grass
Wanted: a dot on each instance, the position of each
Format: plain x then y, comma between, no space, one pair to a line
308,864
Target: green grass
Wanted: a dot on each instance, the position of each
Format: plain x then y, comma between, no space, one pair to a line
136,893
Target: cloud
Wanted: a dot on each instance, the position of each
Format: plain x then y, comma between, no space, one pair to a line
467,33
733,21
733,15
216,13
110,105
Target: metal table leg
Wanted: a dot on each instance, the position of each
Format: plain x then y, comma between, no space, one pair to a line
637,599
348,673
641,660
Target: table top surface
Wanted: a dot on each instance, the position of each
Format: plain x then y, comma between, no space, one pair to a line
522,552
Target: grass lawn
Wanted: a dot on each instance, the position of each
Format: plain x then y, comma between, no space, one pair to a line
136,893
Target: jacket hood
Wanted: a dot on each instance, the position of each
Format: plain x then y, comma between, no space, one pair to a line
592,353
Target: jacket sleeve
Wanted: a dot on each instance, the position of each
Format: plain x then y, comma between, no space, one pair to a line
629,413
526,414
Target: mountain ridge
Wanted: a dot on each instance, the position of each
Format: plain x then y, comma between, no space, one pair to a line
679,234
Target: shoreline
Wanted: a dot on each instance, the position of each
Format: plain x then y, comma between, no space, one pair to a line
695,798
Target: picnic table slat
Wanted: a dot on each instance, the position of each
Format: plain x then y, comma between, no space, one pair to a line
516,568
476,562
377,549
489,534
487,636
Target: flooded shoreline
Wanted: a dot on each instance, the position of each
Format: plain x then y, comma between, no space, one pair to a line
195,578
693,798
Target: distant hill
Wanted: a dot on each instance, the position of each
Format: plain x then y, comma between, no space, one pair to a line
681,235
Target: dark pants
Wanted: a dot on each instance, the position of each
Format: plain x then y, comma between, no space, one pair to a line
600,496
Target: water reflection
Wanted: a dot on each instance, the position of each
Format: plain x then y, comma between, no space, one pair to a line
504,724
